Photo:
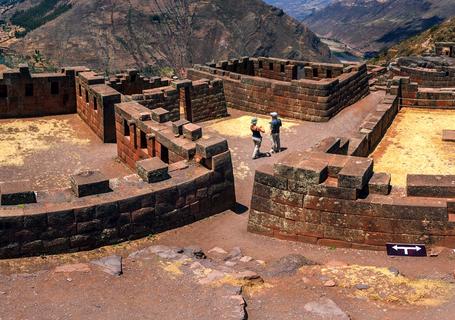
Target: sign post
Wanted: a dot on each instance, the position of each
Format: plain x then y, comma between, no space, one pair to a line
406,250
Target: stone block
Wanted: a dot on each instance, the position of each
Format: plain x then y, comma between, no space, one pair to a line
177,126
192,131
380,183
356,173
16,192
182,84
160,115
89,183
448,135
312,171
431,186
330,189
207,148
152,170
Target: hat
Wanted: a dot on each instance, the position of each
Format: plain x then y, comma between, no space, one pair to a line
274,114
254,120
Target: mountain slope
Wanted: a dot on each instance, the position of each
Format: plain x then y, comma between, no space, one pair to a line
421,43
117,34
300,9
372,25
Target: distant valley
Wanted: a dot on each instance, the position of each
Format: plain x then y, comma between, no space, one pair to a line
370,26
300,9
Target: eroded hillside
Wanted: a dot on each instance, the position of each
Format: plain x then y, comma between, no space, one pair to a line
117,34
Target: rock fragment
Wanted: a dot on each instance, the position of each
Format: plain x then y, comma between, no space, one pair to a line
111,265
326,309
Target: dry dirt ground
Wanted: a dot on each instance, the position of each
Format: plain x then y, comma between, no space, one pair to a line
47,150
156,284
414,144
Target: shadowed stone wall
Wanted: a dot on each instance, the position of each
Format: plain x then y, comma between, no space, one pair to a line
25,94
324,91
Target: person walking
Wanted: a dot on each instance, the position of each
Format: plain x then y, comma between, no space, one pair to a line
275,126
257,137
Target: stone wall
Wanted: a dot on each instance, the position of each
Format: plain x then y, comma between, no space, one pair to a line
131,210
316,99
25,94
412,95
442,77
207,100
332,196
132,82
196,101
279,69
95,104
338,200
445,49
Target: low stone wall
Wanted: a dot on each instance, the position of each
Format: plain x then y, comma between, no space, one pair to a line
306,99
279,69
337,200
60,222
443,77
332,196
25,94
412,95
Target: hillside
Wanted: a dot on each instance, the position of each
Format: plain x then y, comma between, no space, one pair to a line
117,34
373,25
421,43
300,9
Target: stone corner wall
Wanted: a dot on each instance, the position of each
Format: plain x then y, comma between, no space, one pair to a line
332,196
313,99
26,94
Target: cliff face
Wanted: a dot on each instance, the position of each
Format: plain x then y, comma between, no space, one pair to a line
372,25
117,34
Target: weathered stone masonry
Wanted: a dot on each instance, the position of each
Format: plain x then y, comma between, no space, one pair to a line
193,100
180,178
332,196
295,89
93,215
23,94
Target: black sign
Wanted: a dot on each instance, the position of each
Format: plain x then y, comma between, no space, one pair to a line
406,250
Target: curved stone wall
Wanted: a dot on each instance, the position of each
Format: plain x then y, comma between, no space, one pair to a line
60,222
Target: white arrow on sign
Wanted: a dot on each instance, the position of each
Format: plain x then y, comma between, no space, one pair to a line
406,249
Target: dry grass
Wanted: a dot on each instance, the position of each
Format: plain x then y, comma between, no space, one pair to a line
385,286
413,145
22,138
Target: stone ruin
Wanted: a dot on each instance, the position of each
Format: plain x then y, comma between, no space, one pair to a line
331,195
295,89
328,195
181,176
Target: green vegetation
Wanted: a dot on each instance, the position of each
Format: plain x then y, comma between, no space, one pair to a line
419,44
34,17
